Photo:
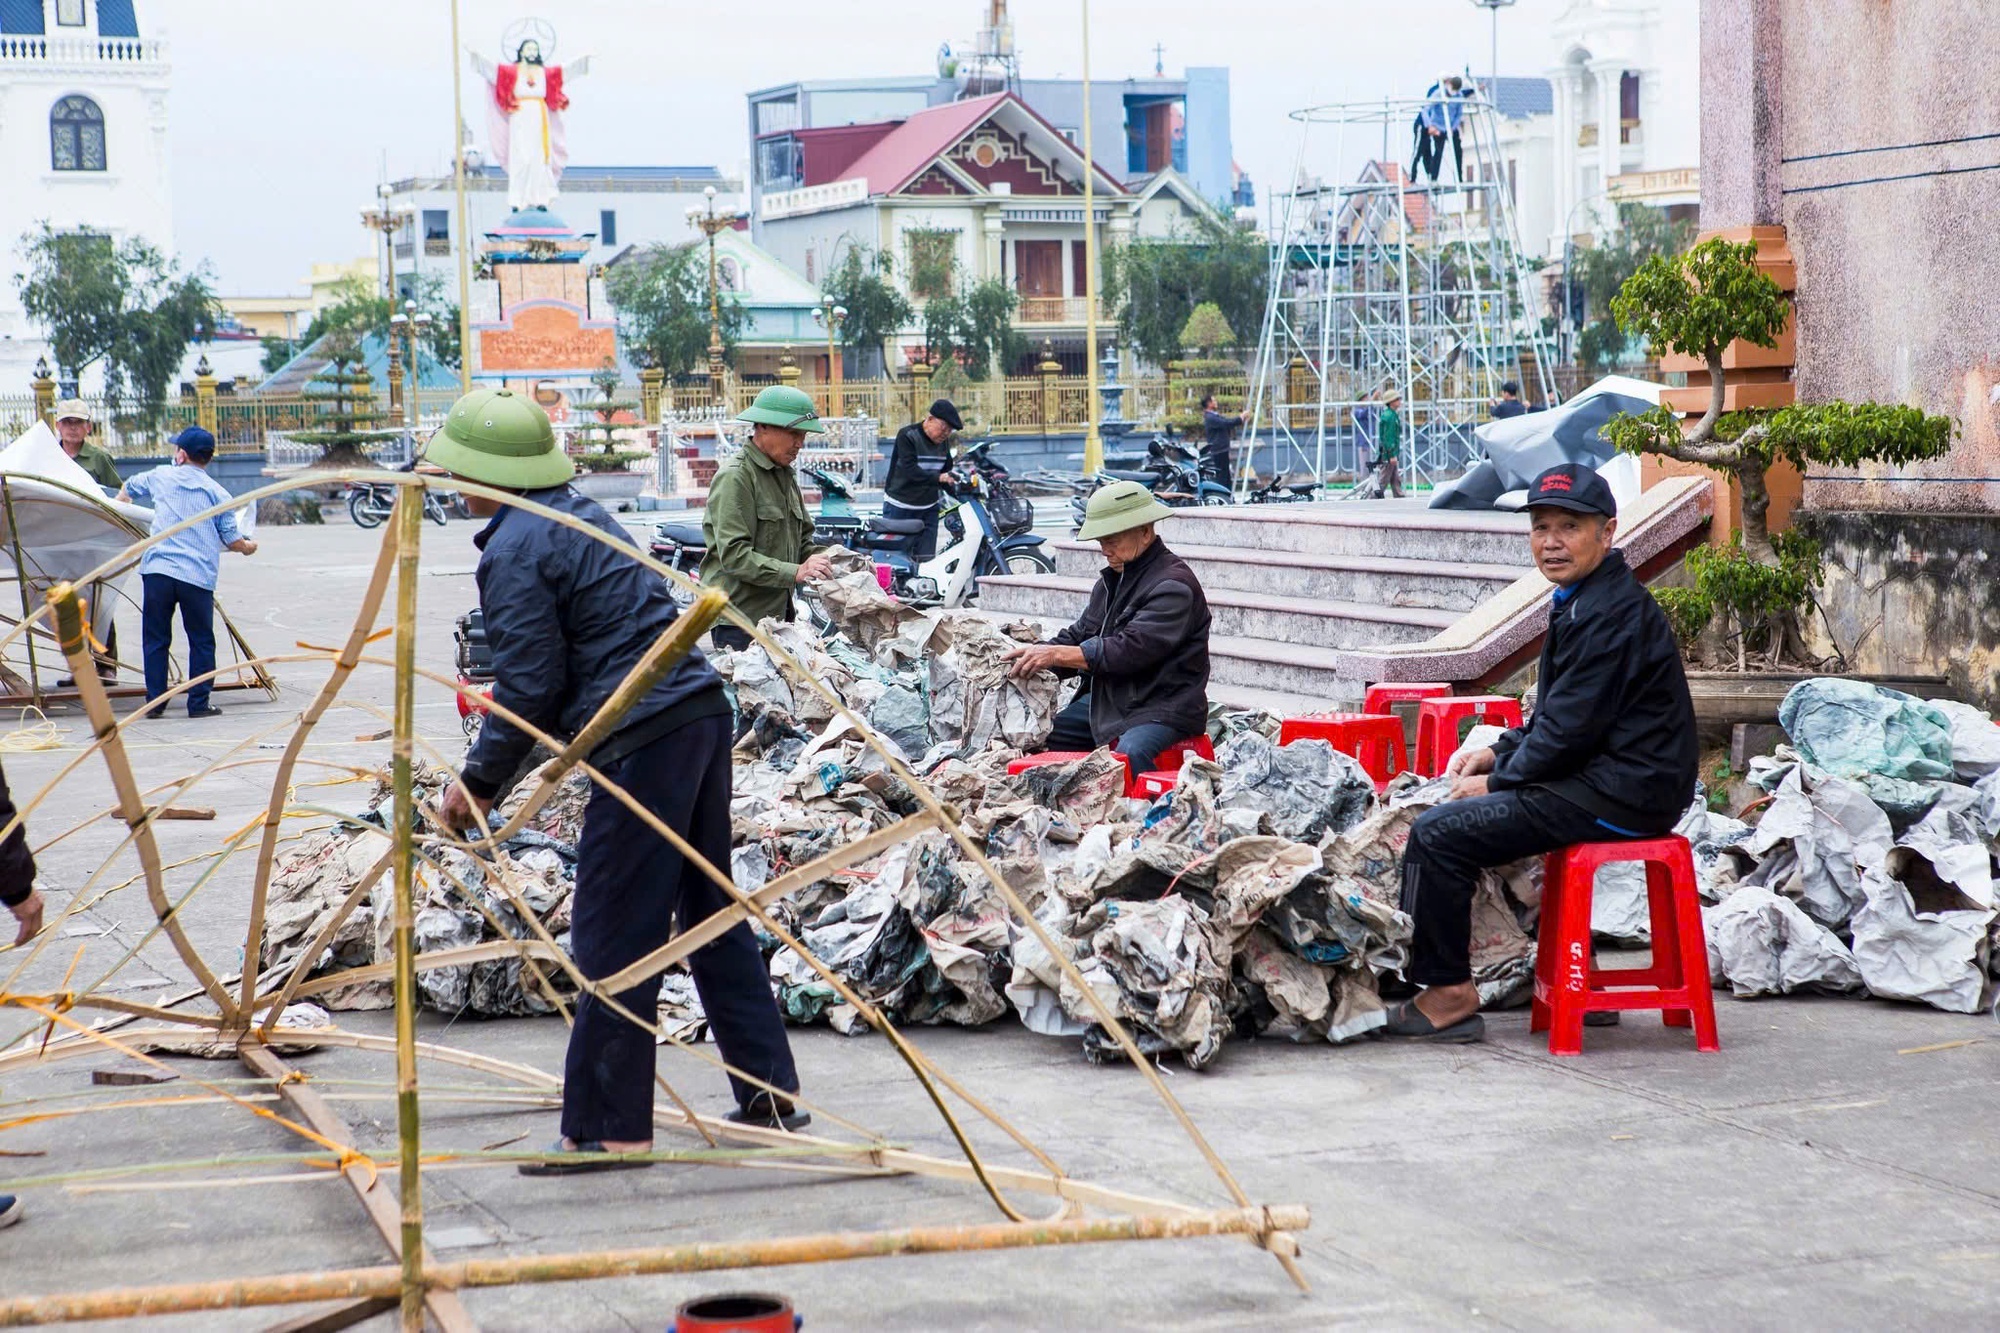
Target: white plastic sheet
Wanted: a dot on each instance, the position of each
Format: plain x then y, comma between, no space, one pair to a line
1761,944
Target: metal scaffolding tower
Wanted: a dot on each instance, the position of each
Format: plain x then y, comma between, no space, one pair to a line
1386,284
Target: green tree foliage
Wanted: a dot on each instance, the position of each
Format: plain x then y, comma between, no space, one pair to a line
1601,271
343,396
127,306
661,295
1757,601
1697,304
604,432
1156,285
359,308
975,326
876,311
930,256
1207,330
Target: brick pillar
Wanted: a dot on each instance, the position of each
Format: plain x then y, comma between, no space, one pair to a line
651,381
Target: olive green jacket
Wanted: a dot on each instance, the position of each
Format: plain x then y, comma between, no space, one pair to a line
100,467
758,534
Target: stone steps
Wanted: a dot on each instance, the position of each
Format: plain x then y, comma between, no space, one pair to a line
1307,622
1400,529
1388,581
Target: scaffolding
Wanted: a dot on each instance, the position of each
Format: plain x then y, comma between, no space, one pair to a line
1387,284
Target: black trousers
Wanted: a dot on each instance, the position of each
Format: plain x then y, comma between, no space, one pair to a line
633,890
17,863
1141,745
1451,843
1429,151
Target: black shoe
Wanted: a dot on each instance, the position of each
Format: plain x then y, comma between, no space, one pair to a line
564,1160
768,1112
1601,1018
206,710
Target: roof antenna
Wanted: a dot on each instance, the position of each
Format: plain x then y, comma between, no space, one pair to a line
1159,60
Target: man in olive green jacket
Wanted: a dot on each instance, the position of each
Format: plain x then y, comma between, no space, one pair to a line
759,535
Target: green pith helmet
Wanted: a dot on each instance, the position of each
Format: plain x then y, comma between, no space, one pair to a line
782,405
497,437
1120,507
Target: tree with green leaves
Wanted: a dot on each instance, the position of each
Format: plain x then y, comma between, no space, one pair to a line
343,397
358,308
661,295
125,305
600,437
864,283
1207,330
1599,273
1697,304
1156,285
976,326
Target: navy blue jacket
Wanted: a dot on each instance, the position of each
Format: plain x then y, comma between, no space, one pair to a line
567,617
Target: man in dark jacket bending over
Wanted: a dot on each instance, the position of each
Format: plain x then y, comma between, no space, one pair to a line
1143,640
568,617
1609,753
918,461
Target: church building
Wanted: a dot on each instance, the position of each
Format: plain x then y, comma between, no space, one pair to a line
84,94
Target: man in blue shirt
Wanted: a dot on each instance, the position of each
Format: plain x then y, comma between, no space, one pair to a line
1443,109
181,571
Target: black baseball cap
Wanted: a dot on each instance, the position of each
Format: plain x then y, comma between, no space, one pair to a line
1574,487
943,410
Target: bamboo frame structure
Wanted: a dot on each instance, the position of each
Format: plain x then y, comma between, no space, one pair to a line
242,1011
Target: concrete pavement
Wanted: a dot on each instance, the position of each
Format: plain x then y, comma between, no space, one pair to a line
1832,1166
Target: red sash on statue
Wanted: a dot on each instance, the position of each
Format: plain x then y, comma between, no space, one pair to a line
503,88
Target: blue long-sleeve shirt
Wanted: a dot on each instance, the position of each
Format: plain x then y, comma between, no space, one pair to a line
175,494
1444,109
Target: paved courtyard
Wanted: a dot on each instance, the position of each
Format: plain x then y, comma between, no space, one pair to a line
1833,1166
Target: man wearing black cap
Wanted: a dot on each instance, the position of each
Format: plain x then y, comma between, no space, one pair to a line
920,460
1609,752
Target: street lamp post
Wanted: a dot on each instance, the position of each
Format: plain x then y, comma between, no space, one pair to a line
388,221
1566,324
831,317
1493,7
409,326
712,224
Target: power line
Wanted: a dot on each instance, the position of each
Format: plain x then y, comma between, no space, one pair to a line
1883,180
1891,148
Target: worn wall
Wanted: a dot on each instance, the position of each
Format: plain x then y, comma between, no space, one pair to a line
1913,593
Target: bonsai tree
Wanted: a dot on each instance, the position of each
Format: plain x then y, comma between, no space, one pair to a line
1205,369
604,432
1696,304
343,399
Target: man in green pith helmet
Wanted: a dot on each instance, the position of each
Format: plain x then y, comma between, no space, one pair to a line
760,538
1142,643
568,616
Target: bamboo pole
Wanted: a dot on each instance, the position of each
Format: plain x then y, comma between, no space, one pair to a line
409,1128
707,1257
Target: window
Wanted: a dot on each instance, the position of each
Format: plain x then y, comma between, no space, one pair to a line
437,224
1079,265
779,164
76,135
777,115
69,13
1628,96
607,226
1038,268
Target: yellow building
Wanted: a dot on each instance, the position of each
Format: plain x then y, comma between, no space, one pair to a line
270,316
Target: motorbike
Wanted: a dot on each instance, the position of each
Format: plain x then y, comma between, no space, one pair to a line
1282,491
1173,472
474,657
682,546
369,503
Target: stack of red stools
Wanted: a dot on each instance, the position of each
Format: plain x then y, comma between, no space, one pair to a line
1384,696
1438,721
1374,739
1136,784
1566,985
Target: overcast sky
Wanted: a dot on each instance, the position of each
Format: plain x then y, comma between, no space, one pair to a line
286,114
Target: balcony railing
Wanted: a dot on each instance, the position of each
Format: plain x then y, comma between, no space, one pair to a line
82,50
1054,310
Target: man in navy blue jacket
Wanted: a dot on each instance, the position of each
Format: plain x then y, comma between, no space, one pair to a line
567,617
1609,753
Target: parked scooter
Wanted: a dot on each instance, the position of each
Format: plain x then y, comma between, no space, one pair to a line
369,503
1172,472
1282,491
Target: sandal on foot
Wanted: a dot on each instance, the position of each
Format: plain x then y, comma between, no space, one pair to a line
761,1113
1406,1020
566,1161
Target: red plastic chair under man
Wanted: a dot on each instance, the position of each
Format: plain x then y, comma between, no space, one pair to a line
1566,985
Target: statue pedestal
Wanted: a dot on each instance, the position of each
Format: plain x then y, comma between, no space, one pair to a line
540,323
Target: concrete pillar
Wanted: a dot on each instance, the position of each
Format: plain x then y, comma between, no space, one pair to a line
652,380
1048,368
44,385
1563,83
1742,115
1607,73
920,390
990,227
204,396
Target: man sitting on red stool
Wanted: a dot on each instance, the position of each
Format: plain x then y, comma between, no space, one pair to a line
1143,639
1609,752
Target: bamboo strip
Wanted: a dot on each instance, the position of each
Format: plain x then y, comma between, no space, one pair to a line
368,1283
409,518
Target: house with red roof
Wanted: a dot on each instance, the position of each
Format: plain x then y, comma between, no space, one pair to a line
960,193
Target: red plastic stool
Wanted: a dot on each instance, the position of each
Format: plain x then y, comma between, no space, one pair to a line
1171,758
1152,786
1379,697
1046,757
1375,740
1438,721
1567,987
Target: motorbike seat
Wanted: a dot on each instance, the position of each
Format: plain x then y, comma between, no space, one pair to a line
895,527
681,534
1124,474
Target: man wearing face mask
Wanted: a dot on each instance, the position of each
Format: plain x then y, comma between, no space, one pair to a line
1609,753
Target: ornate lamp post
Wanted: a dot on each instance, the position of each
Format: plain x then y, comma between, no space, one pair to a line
830,317
407,327
388,221
712,224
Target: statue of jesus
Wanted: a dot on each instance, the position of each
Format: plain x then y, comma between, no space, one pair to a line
525,124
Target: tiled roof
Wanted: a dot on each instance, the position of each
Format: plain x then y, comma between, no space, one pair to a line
906,150
1517,99
21,18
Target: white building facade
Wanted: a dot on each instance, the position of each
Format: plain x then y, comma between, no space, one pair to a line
84,143
1620,121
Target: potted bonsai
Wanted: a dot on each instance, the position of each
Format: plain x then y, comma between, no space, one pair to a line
604,469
